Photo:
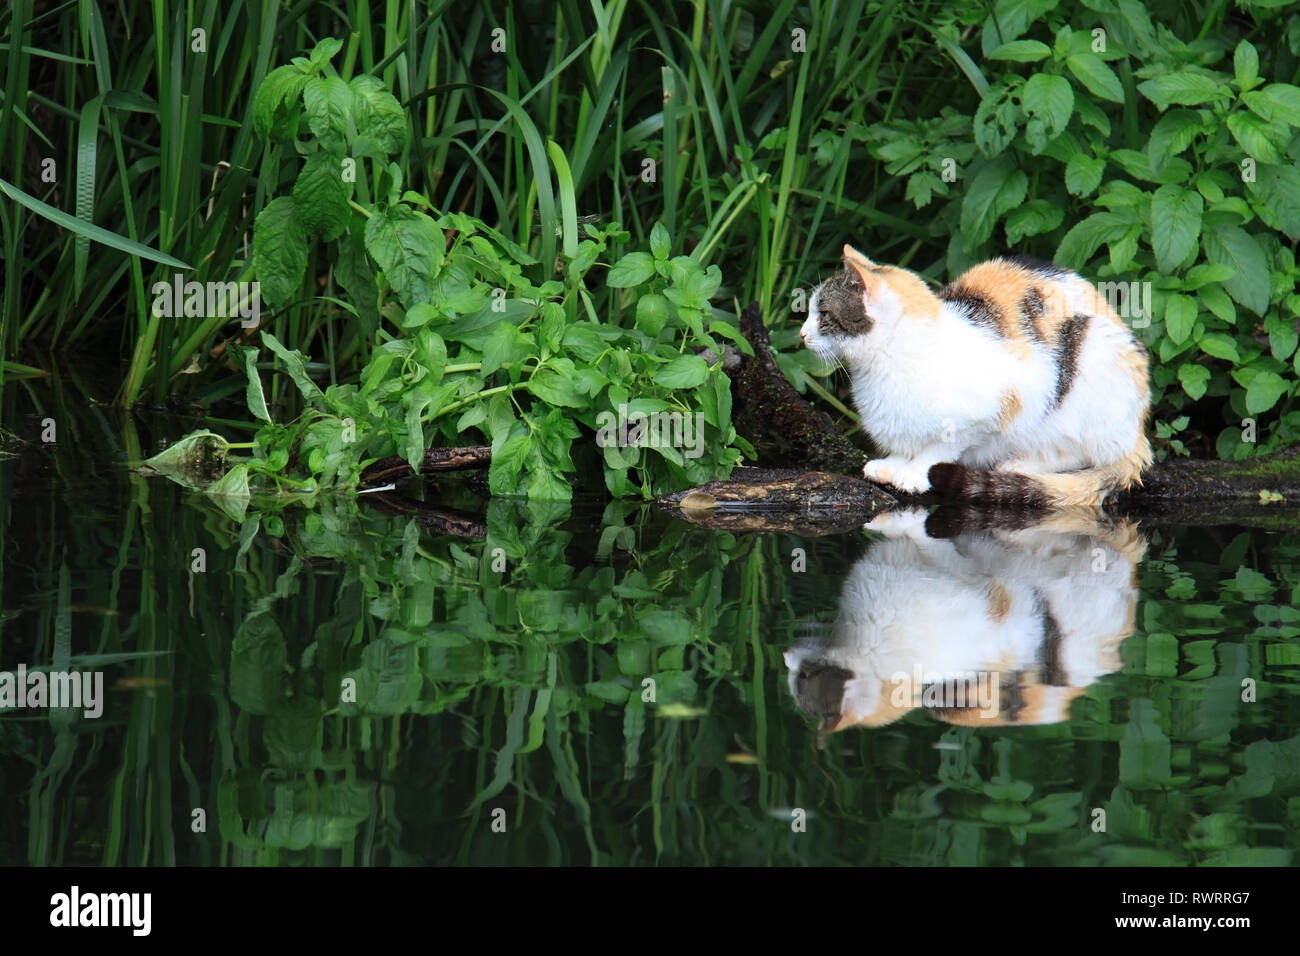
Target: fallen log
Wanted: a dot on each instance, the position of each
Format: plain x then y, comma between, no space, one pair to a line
389,469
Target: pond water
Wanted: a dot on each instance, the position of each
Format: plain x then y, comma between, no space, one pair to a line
464,680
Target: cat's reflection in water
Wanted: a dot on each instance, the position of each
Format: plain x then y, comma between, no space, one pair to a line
982,619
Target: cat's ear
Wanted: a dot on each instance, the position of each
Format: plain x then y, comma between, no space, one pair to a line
864,269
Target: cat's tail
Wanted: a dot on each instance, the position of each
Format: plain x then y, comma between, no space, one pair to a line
1085,488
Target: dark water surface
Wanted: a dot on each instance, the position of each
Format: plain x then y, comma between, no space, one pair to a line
461,680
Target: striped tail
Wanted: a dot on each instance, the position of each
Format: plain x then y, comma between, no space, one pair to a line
1085,488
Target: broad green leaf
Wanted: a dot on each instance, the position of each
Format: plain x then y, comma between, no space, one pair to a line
1180,316
686,371
279,252
1264,390
556,389
378,116
1276,103
652,313
1245,65
1195,379
1233,246
320,197
1083,174
1022,51
1033,218
1184,88
1172,134
1050,97
1079,244
1096,76
1252,135
996,189
328,104
660,242
1009,20
280,90
408,246
1175,225
633,269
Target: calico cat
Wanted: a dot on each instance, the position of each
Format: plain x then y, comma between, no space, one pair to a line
1015,383
980,626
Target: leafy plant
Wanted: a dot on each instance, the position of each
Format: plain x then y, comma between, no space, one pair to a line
474,342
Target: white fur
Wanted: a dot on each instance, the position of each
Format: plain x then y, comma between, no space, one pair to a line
931,390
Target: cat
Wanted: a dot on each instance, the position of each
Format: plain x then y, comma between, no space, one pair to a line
1015,383
980,626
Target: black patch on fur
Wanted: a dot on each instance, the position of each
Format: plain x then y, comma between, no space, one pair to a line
1031,309
1049,652
1048,270
986,487
1068,343
820,688
952,519
975,306
840,312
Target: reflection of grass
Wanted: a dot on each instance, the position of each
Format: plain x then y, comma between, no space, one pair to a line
522,691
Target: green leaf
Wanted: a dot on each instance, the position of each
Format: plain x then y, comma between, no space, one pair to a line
686,371
1050,97
556,389
77,227
1195,379
1009,20
254,396
1083,174
1277,191
1282,336
1184,88
324,51
1172,134
408,246
1022,51
296,367
652,313
328,104
379,118
1220,346
1276,103
1180,316
279,251
1079,244
1096,76
275,96
1175,225
632,270
660,242
1233,246
1264,390
996,189
1032,219
320,198
1252,135
1245,65
504,347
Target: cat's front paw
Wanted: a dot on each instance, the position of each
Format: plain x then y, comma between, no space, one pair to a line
897,522
881,470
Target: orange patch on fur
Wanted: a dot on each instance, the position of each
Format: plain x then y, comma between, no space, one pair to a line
915,296
999,600
1010,408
